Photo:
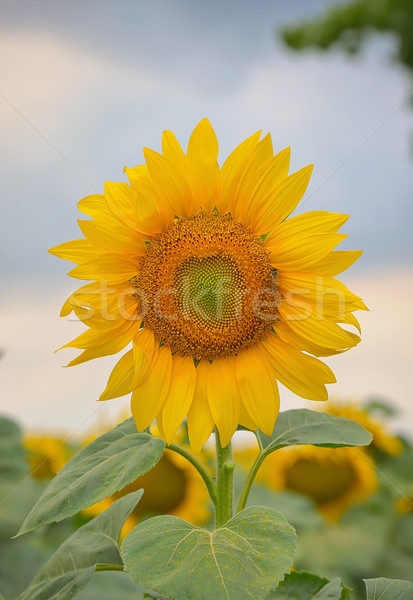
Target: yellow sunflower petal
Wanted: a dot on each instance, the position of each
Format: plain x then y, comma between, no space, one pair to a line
309,223
304,375
324,295
110,218
202,164
299,252
320,330
171,149
232,169
336,262
140,179
268,179
258,389
200,421
88,339
97,343
291,337
170,186
100,305
246,181
284,200
144,350
93,206
77,251
149,397
147,217
350,319
245,420
107,236
180,395
76,299
121,200
120,379
223,397
113,268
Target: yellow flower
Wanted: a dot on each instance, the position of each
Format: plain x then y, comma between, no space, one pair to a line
221,294
404,505
335,478
382,438
46,454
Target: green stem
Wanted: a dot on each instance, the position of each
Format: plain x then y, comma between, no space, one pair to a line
209,482
109,568
225,483
248,482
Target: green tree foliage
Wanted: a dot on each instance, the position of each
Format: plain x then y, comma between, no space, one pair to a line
347,25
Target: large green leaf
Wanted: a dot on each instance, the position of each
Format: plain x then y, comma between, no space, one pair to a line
307,586
244,559
388,589
102,468
71,567
302,426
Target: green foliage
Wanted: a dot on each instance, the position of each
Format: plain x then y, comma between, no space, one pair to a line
13,464
102,468
20,559
307,586
388,589
299,510
298,427
381,407
351,547
111,585
347,25
71,567
244,559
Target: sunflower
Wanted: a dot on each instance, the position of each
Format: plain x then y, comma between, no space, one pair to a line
335,478
46,454
382,437
221,295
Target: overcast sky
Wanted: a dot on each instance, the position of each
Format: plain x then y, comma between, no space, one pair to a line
86,84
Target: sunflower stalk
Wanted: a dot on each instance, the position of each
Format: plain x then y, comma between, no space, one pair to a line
209,482
224,509
249,481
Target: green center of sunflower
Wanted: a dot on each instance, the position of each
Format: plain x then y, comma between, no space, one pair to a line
208,289
324,481
208,286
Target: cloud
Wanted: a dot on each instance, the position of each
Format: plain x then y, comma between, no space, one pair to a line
58,87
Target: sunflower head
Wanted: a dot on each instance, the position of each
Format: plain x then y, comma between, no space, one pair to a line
335,478
382,437
46,454
221,295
